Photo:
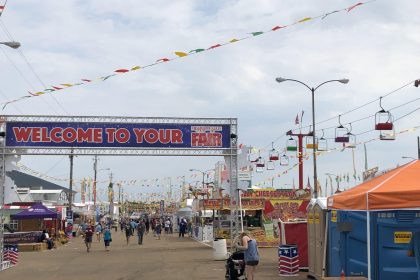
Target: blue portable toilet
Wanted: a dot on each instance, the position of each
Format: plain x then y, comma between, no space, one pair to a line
374,223
390,233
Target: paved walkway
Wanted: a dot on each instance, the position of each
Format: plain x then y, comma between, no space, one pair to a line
168,258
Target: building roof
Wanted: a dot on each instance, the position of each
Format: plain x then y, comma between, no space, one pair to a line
23,180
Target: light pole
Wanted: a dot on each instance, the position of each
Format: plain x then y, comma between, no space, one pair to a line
13,45
202,173
313,89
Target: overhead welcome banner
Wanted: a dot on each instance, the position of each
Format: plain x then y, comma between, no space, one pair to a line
117,135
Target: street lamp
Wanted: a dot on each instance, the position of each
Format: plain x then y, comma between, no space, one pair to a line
13,44
404,157
313,89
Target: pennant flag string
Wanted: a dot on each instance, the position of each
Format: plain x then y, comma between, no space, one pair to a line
178,55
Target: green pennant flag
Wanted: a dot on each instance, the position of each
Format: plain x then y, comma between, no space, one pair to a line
257,33
197,50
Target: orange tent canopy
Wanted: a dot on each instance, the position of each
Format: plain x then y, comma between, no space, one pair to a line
396,189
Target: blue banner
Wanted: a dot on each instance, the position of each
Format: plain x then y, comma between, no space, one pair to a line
117,135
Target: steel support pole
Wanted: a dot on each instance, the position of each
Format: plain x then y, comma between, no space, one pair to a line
418,147
2,200
71,156
300,158
314,144
95,172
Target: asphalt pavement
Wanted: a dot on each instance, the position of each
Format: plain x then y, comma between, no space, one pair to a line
169,258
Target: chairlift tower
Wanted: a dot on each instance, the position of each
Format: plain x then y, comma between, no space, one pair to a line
300,152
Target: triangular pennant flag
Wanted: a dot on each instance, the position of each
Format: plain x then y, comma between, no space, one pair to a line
214,46
257,33
56,88
197,50
121,71
277,28
234,40
163,60
324,16
354,6
67,85
305,19
135,68
181,54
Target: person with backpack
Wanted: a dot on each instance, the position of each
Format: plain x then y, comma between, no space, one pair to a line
141,228
107,238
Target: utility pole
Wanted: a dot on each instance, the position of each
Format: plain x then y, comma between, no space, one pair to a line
95,172
111,197
71,156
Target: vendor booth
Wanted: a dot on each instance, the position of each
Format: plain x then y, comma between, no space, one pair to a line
372,224
33,217
262,210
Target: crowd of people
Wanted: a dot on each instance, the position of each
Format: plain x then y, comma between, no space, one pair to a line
130,227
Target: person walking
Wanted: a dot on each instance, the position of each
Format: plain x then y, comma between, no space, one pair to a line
250,248
107,238
147,223
182,227
167,224
128,232
141,228
158,230
98,230
88,237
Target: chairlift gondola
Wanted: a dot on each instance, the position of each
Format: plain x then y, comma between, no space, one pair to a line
284,160
291,145
322,143
352,139
387,134
383,119
271,165
274,154
259,164
310,141
341,135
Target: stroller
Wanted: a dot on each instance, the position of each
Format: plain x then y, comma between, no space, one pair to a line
235,266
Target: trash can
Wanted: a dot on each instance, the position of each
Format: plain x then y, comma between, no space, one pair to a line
288,260
219,249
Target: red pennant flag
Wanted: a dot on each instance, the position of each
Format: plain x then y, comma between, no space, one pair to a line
121,71
277,28
214,46
57,88
268,207
354,6
86,80
163,60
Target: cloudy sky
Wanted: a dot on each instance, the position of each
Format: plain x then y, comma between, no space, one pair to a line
375,45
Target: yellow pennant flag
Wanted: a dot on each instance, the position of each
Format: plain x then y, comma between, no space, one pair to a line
67,85
181,54
135,68
234,40
305,19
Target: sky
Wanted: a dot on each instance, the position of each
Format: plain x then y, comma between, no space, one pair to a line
375,45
